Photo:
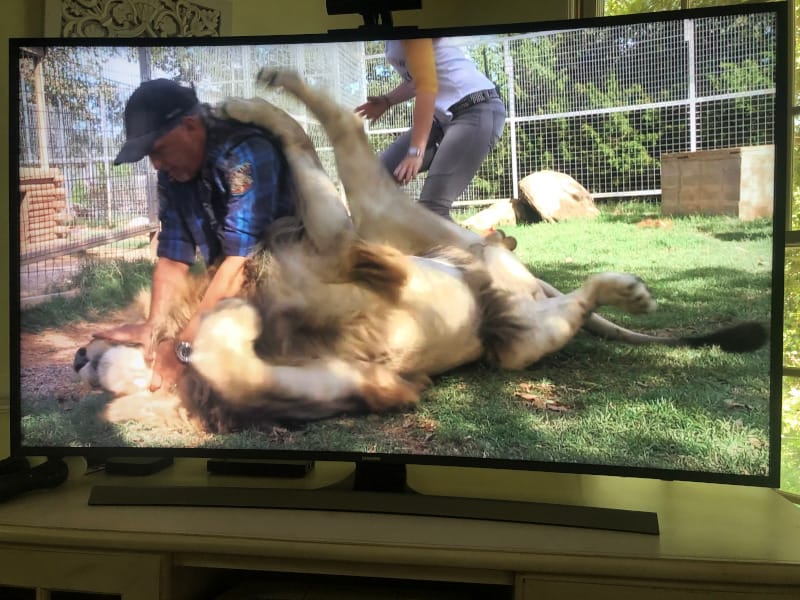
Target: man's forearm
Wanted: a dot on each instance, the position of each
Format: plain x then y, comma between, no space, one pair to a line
168,277
227,282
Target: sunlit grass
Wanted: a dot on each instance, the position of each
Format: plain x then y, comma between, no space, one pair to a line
594,402
103,286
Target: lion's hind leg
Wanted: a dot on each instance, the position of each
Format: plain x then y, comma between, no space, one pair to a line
258,111
547,325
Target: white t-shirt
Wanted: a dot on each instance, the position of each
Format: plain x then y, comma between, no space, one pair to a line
457,74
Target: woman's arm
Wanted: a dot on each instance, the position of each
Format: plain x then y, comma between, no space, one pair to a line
404,91
375,106
422,68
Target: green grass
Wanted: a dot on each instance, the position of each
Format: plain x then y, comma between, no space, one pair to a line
105,286
652,407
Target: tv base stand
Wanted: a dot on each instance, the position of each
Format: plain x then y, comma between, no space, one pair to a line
370,490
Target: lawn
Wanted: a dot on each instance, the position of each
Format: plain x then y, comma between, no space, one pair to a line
594,402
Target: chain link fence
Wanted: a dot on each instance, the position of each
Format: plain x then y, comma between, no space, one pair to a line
601,105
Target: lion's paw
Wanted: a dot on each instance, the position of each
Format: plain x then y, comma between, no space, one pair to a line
625,291
274,78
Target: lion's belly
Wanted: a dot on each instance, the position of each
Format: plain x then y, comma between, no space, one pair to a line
436,327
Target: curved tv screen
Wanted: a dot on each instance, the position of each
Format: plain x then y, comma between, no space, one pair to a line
370,327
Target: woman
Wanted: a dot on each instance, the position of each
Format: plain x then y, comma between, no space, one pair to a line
458,117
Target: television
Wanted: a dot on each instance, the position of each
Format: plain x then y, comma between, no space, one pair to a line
676,125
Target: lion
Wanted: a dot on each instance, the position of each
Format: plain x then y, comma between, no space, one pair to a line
373,299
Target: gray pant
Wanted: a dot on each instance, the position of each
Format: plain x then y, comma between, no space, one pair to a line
463,144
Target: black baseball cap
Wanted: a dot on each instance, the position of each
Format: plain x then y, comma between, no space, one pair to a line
154,108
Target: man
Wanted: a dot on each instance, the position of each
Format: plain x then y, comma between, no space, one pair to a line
221,183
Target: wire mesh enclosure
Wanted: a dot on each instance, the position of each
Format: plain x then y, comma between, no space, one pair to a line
75,206
600,104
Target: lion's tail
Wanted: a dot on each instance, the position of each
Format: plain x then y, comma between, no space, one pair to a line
746,336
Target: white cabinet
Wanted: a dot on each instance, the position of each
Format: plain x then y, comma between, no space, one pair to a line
717,542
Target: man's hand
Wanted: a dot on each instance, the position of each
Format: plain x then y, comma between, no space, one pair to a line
131,334
167,369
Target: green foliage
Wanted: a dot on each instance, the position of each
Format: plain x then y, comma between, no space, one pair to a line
79,193
624,7
791,307
75,84
104,286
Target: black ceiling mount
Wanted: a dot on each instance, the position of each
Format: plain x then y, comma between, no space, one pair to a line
377,14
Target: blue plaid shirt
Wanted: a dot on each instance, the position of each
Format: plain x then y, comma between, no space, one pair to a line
244,186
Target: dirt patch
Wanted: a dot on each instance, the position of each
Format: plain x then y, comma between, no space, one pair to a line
46,358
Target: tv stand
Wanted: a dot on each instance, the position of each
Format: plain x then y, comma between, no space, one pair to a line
717,542
377,488
137,466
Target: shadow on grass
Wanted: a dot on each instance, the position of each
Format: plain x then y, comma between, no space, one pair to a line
46,422
734,230
648,407
652,408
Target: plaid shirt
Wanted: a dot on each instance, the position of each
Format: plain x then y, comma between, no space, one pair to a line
244,186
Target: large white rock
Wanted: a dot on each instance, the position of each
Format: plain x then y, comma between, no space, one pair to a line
552,196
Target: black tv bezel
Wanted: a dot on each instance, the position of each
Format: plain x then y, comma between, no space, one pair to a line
781,195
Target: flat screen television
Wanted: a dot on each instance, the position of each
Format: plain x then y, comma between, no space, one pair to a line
675,123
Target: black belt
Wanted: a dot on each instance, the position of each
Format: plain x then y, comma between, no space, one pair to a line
473,99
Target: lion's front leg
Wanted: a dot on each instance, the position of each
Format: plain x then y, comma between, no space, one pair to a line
549,324
302,389
258,111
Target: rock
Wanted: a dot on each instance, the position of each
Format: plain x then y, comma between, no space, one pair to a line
552,196
500,213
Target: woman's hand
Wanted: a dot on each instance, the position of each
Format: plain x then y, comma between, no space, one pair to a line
408,168
373,108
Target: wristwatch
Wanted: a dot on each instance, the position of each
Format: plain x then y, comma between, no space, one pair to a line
183,351
414,151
